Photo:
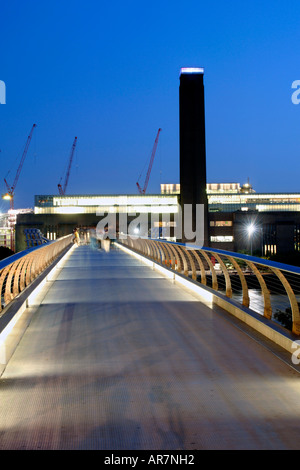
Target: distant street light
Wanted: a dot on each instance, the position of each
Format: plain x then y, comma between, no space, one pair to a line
251,229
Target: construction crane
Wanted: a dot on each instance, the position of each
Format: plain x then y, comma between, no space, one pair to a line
11,189
62,190
143,190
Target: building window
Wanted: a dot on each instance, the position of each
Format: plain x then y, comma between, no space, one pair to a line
221,223
222,238
270,250
297,237
51,235
269,239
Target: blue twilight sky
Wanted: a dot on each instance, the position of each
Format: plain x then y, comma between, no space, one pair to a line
108,73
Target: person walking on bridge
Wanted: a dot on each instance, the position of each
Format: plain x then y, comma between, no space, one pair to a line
76,238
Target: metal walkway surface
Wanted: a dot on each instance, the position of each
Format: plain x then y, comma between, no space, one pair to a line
117,357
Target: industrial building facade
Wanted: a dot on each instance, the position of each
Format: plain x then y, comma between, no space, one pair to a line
234,208
56,216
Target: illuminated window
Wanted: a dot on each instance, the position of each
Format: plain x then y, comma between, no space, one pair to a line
51,235
221,223
222,238
270,250
297,237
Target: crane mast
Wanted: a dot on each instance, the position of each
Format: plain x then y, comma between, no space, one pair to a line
11,189
62,190
143,190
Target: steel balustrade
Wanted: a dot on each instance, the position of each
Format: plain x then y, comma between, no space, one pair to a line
19,270
200,264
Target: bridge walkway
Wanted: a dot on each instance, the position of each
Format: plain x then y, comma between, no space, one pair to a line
117,357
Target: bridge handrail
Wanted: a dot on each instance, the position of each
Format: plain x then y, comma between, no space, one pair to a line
243,257
19,270
15,257
190,260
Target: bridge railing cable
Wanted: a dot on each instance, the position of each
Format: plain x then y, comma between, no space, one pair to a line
21,269
269,288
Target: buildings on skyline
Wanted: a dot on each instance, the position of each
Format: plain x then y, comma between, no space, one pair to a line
229,197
